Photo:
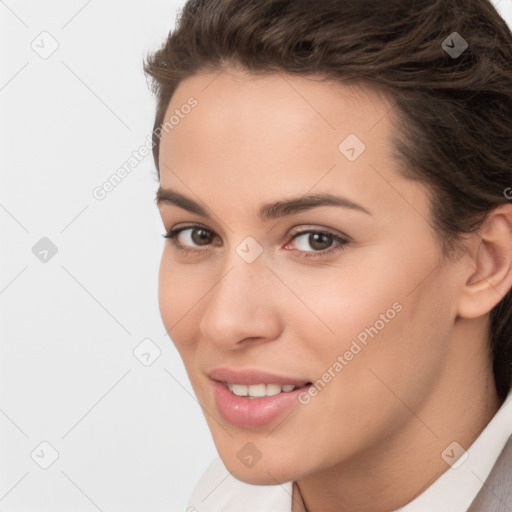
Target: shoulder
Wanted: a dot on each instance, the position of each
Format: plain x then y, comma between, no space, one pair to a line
219,491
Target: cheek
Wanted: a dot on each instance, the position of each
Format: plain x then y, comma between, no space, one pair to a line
341,303
393,340
178,293
376,315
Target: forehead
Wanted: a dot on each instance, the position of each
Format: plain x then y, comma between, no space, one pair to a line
230,98
255,136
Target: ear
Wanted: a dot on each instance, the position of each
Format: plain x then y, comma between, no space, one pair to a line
489,273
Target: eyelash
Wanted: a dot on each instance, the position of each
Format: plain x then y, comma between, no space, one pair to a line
172,235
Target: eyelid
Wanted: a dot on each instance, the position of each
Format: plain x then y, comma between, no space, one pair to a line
305,228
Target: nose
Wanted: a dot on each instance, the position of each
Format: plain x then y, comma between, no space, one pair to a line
243,306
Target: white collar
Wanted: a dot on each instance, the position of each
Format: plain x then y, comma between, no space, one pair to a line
457,487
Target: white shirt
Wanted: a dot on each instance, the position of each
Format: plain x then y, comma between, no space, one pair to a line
453,491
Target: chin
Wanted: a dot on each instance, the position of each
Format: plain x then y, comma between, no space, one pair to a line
266,471
261,475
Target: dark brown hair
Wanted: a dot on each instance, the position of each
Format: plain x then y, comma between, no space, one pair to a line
455,111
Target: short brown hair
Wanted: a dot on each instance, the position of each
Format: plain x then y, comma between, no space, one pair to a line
455,110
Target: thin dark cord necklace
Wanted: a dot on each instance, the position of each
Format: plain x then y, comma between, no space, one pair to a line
300,496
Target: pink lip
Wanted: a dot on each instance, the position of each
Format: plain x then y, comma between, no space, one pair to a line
252,412
253,377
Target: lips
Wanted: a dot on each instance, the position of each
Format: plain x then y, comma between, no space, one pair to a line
249,377
253,398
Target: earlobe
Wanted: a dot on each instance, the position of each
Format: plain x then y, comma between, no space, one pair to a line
490,276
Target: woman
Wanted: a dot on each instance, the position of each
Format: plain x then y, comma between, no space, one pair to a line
335,185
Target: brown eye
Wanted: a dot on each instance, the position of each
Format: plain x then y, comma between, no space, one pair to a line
188,238
318,243
201,236
316,240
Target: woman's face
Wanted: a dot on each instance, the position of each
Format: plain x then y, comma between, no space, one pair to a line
353,297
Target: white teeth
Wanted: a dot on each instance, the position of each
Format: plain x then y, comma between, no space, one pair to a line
259,390
239,389
272,389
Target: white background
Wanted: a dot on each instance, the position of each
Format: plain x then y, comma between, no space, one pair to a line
129,437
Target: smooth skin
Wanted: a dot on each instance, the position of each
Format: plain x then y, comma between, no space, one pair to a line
372,439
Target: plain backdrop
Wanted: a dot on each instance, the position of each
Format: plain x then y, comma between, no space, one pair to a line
96,410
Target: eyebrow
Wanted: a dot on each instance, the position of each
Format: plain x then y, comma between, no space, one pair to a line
268,211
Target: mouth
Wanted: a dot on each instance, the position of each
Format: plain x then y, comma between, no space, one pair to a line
252,391
251,398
